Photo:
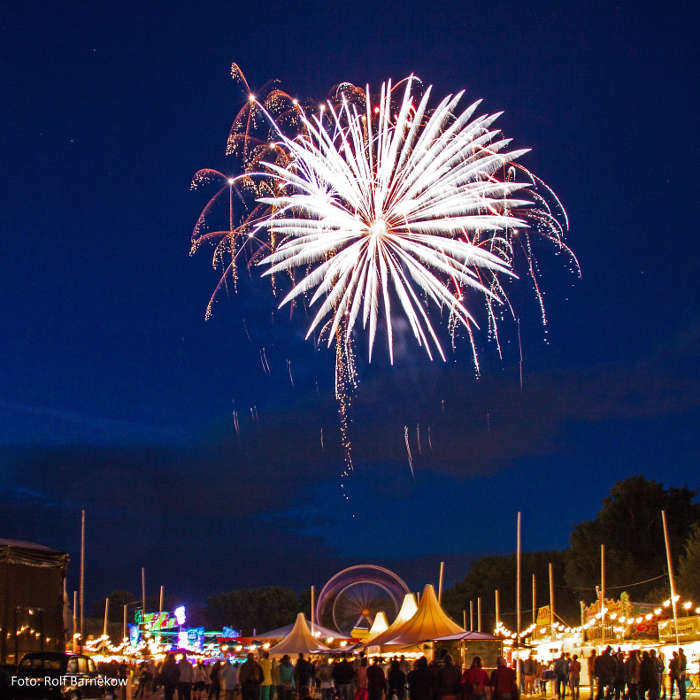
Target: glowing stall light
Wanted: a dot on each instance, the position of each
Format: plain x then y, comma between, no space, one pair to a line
179,613
182,640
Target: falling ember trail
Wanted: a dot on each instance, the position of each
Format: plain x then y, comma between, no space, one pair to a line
322,445
289,369
520,348
245,328
420,449
236,426
430,440
263,361
408,451
344,387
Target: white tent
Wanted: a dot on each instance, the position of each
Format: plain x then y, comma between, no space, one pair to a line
299,640
379,625
406,612
281,632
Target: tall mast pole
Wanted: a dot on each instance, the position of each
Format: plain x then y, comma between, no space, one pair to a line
143,591
75,621
105,623
517,577
313,595
478,614
471,615
82,576
517,596
534,599
672,585
551,600
442,573
602,594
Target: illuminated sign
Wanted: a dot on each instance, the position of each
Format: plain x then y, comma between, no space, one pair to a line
180,615
544,616
157,622
688,628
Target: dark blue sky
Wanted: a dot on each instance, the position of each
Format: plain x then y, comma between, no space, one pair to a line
117,395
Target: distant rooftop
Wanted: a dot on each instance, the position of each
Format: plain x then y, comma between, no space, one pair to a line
22,544
31,554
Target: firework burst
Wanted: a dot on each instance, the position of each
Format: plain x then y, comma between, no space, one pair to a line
369,205
391,202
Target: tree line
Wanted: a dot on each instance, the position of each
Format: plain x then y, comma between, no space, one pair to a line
629,525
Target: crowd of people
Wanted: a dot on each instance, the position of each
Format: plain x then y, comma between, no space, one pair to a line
344,678
613,675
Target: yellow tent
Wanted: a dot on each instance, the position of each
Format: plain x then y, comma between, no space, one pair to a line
430,621
299,640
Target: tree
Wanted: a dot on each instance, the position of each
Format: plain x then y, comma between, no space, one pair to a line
689,567
489,573
251,609
629,525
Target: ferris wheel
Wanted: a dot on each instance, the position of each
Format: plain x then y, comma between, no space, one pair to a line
352,597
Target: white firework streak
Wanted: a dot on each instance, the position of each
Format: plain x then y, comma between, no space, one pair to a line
392,199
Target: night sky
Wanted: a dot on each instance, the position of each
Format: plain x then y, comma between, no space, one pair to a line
117,396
